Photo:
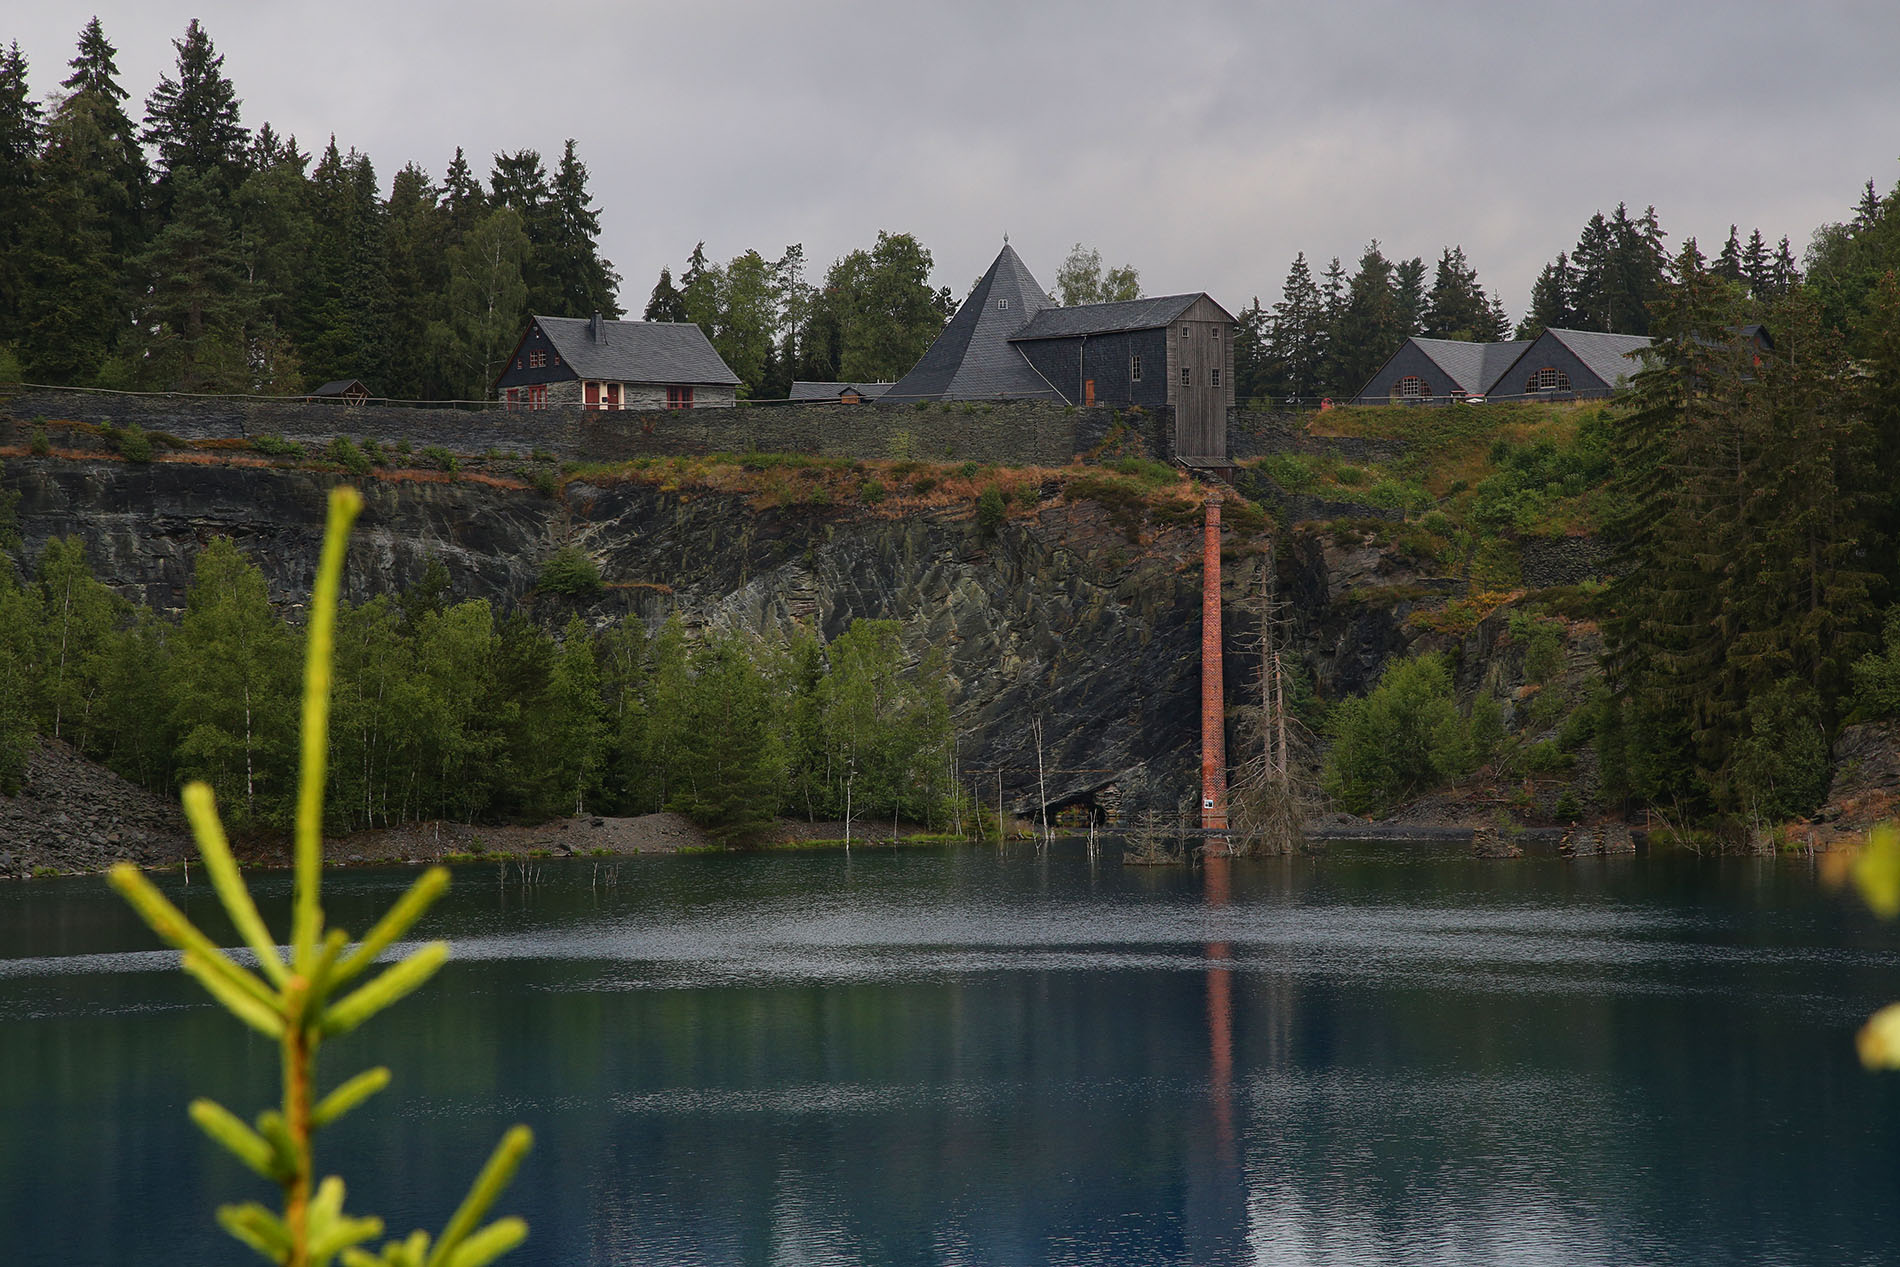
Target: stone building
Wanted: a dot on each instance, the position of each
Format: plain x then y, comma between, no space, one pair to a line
615,365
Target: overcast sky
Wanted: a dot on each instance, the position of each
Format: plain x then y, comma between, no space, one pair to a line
1204,143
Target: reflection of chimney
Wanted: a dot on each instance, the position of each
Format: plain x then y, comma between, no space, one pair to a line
1220,1015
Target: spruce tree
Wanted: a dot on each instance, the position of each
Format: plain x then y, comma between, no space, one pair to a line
1728,264
1592,283
1408,294
1456,308
1296,338
70,309
1757,267
416,270
664,304
580,282
120,173
347,302
193,121
1252,368
1677,525
1368,330
19,152
463,201
699,290
194,304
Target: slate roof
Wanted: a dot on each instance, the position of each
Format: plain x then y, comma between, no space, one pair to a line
972,359
1132,314
637,351
802,390
341,387
1606,355
1475,367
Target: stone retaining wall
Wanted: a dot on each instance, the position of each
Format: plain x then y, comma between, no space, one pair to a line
1019,432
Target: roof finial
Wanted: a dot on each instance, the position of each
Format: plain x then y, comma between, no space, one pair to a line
1005,237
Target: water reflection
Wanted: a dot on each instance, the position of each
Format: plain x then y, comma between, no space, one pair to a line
961,1058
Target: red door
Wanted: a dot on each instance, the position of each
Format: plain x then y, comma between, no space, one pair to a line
593,395
613,395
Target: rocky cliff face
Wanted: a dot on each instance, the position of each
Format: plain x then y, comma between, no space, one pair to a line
1055,615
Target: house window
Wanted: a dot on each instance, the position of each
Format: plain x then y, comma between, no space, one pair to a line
1184,331
537,395
1134,369
1002,305
1548,379
1412,387
538,360
679,398
1215,380
514,397
1187,377
1213,332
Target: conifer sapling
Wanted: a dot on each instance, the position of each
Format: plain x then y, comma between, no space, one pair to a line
300,998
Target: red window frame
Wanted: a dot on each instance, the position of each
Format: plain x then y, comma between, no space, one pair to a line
679,398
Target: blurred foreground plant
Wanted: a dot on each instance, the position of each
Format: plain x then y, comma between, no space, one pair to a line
302,999
1877,876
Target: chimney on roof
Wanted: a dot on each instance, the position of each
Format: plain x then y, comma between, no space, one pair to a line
594,331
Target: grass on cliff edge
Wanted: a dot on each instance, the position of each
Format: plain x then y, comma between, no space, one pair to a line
1467,479
1137,492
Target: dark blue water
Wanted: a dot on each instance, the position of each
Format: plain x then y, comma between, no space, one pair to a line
1371,1057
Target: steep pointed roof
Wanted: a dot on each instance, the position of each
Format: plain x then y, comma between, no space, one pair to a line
972,359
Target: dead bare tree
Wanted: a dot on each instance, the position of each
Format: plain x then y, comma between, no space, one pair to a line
1266,804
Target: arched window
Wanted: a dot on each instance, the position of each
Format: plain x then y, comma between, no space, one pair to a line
1548,379
1412,387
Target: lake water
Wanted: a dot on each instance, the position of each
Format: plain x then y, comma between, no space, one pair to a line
1381,1055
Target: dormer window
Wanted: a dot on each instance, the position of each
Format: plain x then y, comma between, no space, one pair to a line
1002,305
537,360
1548,379
1412,387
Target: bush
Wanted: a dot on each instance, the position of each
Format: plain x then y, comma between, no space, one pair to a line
442,458
923,484
277,447
134,444
871,492
347,455
1403,738
40,444
1543,650
989,510
1781,769
568,571
1877,674
1147,470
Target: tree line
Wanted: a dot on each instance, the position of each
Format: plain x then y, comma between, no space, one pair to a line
1756,522
1327,335
451,710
